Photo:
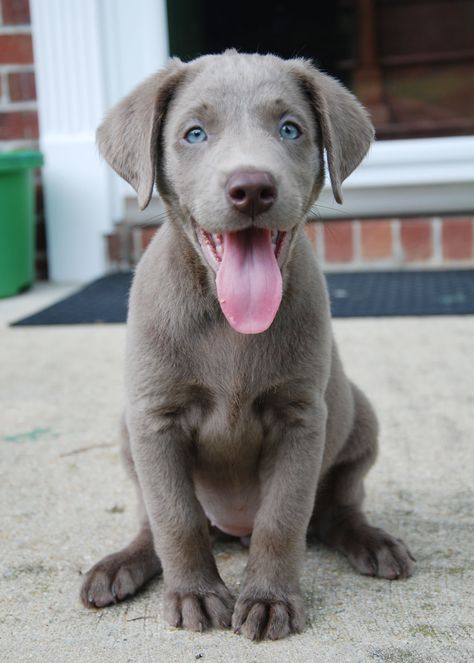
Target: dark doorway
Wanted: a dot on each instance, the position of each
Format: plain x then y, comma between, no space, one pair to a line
322,31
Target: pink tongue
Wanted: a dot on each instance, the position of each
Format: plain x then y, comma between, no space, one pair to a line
248,282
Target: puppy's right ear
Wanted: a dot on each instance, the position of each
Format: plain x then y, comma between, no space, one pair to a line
128,137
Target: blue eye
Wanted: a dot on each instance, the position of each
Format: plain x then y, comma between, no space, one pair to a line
196,135
290,131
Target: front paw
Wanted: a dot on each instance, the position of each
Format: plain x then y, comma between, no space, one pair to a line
266,615
199,609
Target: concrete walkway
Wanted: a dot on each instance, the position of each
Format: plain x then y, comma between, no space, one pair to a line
65,502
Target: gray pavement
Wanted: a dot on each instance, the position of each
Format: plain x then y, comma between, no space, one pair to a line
65,502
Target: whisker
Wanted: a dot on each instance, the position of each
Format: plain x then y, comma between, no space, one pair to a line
315,212
333,209
161,216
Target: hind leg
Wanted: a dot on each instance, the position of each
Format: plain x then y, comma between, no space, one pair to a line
338,519
122,574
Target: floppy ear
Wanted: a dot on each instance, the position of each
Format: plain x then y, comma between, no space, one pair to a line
128,137
346,129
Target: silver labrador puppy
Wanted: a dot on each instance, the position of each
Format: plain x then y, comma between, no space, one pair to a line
238,412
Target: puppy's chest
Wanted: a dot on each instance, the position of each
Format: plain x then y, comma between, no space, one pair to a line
233,419
236,381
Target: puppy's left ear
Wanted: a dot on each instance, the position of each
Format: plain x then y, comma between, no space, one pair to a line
346,129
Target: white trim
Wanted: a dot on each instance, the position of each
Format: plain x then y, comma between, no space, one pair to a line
416,161
403,177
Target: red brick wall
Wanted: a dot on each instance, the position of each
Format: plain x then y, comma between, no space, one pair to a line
18,117
408,242
18,111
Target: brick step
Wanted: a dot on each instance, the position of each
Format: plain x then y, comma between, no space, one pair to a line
346,244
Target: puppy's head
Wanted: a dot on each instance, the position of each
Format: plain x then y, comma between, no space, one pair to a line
235,144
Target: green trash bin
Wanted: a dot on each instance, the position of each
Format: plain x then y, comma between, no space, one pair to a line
17,220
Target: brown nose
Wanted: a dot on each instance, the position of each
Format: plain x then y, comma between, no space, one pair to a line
251,192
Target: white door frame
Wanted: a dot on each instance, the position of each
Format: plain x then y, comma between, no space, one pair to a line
88,54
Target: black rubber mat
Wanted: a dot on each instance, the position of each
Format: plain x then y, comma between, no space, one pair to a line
104,300
353,294
369,294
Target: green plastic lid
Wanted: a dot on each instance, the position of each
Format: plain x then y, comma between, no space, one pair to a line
20,160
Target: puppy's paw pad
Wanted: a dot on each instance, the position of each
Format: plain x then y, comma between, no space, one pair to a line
376,553
201,610
270,619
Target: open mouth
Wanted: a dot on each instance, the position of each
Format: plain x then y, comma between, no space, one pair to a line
212,245
248,274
